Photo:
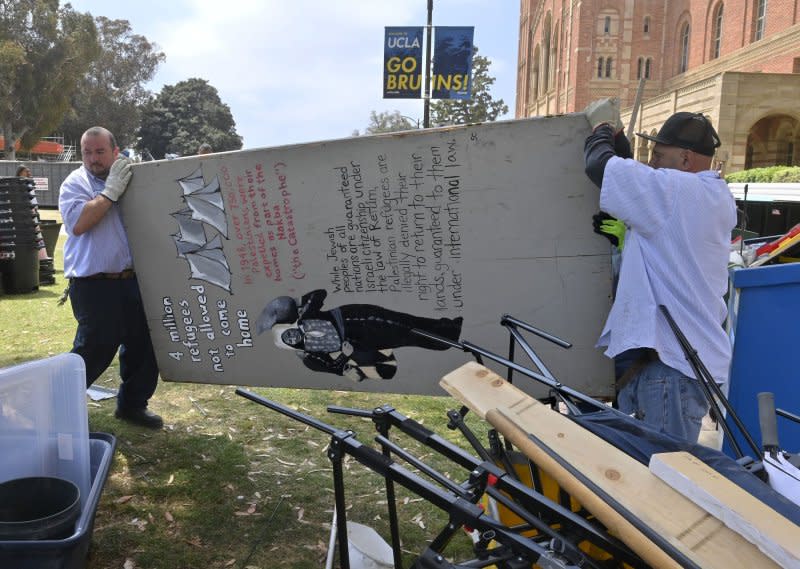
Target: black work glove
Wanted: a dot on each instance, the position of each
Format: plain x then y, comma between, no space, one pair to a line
609,227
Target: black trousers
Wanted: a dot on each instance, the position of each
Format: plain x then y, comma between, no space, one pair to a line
371,327
111,317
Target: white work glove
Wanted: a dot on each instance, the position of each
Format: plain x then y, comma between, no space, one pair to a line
118,179
604,111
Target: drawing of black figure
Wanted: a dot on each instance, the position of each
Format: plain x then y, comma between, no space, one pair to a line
353,340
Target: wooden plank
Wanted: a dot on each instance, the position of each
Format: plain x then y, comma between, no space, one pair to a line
482,390
694,532
617,524
772,533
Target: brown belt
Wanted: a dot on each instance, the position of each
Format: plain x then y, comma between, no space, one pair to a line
126,274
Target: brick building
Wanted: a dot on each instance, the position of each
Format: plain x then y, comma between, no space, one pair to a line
736,61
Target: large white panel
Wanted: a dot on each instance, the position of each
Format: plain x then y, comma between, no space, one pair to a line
471,222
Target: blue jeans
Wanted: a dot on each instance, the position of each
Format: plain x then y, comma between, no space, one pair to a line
666,399
111,317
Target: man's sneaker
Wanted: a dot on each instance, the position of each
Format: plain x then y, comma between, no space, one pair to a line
142,417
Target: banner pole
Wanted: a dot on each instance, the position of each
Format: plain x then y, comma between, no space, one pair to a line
426,114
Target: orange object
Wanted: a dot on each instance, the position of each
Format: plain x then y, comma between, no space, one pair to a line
772,245
41,147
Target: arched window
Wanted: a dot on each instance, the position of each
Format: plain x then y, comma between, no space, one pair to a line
760,19
648,64
607,23
599,67
639,68
646,25
683,64
535,74
530,56
609,65
716,31
546,39
554,57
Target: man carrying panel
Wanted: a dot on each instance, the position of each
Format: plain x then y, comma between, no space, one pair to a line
679,215
103,290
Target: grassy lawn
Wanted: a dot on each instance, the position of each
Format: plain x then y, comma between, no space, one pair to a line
228,483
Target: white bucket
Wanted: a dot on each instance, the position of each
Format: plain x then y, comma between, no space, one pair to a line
367,548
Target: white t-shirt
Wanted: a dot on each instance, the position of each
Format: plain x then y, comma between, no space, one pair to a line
675,254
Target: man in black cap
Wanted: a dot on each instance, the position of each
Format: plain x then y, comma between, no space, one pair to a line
678,216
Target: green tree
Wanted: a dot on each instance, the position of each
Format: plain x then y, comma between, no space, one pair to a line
480,108
388,121
44,51
112,92
185,115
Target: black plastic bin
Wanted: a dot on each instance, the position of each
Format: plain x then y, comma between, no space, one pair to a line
71,552
38,507
21,274
50,230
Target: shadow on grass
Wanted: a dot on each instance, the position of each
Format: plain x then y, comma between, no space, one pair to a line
179,500
51,292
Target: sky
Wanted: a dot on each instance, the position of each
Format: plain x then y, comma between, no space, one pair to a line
295,71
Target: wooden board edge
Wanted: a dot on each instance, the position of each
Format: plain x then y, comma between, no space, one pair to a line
773,534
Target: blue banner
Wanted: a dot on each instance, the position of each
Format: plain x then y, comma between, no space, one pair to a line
402,63
452,62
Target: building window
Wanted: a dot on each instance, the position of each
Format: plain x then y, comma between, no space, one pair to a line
684,47
643,67
790,154
546,47
646,25
599,67
716,32
535,74
761,19
554,58
609,64
607,23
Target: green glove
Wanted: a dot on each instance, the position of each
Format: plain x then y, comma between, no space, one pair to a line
118,179
604,111
610,227
614,228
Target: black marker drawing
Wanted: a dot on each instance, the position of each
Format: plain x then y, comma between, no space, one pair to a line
353,340
206,259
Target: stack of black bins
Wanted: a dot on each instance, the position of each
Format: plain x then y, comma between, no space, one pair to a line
20,238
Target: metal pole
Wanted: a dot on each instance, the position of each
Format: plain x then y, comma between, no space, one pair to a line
637,101
427,95
336,456
382,427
